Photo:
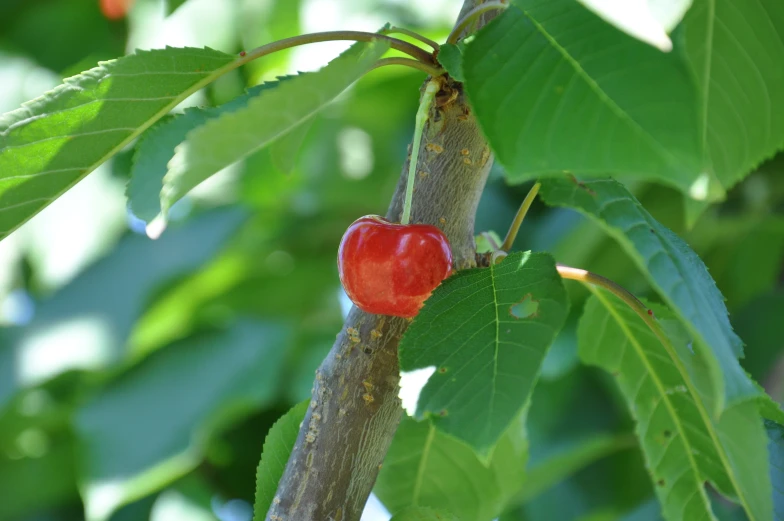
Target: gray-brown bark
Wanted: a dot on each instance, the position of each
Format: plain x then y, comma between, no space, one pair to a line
355,408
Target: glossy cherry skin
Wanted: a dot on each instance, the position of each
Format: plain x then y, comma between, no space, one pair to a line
391,269
115,9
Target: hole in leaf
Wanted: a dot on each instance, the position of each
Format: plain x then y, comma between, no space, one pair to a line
527,307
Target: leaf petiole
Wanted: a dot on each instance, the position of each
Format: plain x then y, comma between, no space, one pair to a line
408,62
412,34
589,278
421,117
330,36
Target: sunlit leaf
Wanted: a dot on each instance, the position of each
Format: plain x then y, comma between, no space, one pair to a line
233,136
672,268
52,142
426,468
277,449
156,148
486,331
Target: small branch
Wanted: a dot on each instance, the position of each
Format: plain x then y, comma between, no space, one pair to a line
471,16
511,235
412,34
408,62
331,36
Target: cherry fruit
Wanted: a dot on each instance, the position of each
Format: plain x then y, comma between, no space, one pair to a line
391,269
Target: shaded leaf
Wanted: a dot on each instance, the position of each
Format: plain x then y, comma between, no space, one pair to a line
776,449
487,332
52,142
682,443
178,396
672,268
554,468
284,149
735,50
233,136
278,445
426,468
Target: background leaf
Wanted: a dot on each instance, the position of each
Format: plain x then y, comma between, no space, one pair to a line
426,468
672,268
233,136
277,449
52,142
424,514
487,358
222,375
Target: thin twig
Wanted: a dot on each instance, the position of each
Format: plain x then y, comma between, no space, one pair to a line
330,36
412,34
472,15
408,62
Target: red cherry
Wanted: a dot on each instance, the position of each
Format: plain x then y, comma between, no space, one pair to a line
115,9
391,269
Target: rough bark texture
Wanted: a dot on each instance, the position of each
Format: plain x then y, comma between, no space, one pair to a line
355,409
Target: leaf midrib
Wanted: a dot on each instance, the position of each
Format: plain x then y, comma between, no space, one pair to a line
423,464
660,386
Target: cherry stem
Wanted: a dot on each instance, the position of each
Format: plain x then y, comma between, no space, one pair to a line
471,17
408,62
412,34
511,235
592,279
421,118
331,36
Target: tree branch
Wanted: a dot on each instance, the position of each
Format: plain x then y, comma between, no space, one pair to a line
355,409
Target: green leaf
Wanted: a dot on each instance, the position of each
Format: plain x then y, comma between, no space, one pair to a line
52,142
157,146
556,467
735,50
776,450
424,514
233,136
486,331
178,396
552,93
648,21
278,445
672,268
450,56
683,444
426,468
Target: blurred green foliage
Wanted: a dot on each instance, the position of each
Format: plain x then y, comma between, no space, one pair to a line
138,378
